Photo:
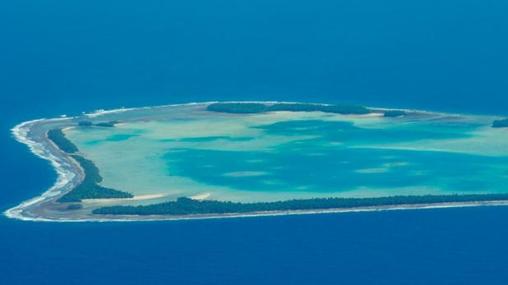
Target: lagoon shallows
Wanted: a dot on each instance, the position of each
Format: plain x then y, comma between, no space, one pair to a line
297,155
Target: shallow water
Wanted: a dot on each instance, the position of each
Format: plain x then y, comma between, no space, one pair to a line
288,155
65,57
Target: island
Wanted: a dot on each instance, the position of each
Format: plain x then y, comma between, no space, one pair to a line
242,159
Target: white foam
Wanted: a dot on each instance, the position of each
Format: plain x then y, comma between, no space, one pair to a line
102,112
283,213
64,176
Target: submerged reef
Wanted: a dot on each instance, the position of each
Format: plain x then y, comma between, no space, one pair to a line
394,113
314,157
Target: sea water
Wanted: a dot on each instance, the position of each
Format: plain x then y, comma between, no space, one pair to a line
66,57
297,155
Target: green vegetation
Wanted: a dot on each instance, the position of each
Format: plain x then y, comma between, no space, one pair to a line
85,124
110,124
394,114
500,124
58,137
246,108
89,188
186,206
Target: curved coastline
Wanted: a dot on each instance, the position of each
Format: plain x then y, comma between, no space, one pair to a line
68,175
64,176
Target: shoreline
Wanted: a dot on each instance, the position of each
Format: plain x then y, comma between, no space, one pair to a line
154,218
68,176
20,132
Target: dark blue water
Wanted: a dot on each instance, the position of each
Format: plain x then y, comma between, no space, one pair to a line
61,57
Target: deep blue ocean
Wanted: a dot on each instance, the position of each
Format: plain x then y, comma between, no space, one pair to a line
64,57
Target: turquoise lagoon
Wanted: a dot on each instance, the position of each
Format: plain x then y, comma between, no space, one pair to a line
296,155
